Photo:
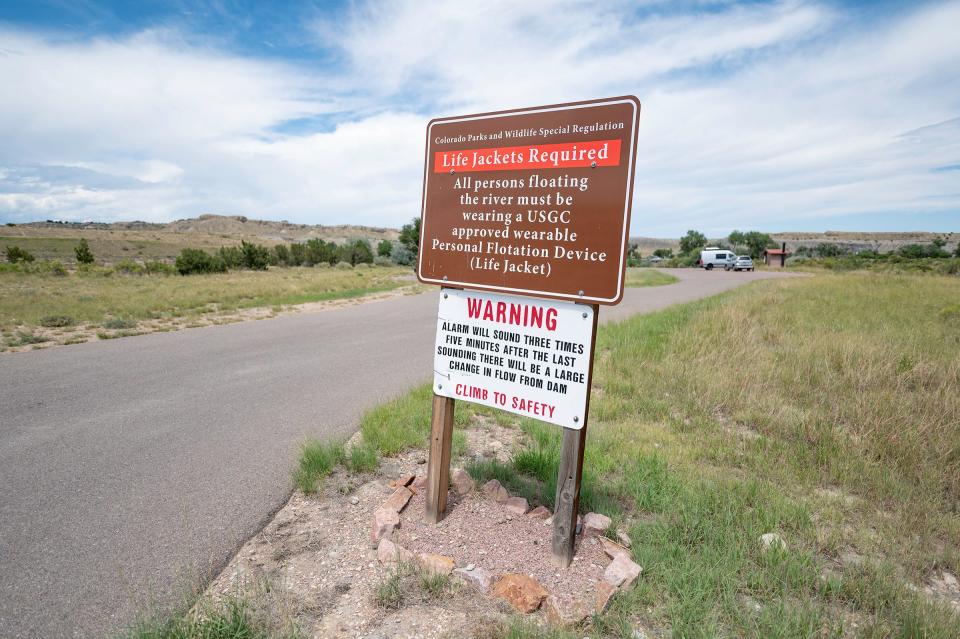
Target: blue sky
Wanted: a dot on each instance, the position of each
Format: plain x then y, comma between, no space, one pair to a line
790,115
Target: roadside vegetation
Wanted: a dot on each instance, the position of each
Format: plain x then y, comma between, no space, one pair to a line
833,423
57,306
640,277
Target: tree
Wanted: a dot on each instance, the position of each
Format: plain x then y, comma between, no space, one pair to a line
198,261
255,256
956,252
737,238
384,248
756,242
410,236
401,255
356,252
692,241
281,254
664,253
16,254
83,252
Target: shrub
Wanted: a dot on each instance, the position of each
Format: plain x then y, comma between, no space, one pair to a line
382,261
402,255
54,267
319,252
298,254
231,256
56,321
343,266
384,248
356,252
127,267
192,261
254,256
281,254
16,254
156,267
118,323
83,252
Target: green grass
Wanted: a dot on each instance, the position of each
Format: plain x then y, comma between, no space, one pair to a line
639,277
317,459
824,409
98,295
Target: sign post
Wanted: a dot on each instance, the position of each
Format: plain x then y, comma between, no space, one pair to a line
525,222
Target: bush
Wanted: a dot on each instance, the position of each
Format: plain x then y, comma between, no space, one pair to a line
54,267
281,254
402,255
298,254
127,267
83,252
231,256
156,267
382,261
119,323
343,266
192,261
255,256
356,252
56,321
16,254
384,248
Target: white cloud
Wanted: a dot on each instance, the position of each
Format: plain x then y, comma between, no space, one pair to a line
754,116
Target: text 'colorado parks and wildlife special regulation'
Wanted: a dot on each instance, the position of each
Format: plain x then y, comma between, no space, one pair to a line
531,201
524,355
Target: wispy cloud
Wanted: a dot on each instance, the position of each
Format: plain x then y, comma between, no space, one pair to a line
790,114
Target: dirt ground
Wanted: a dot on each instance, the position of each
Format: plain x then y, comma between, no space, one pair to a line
317,553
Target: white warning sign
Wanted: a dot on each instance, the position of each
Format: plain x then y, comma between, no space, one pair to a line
524,355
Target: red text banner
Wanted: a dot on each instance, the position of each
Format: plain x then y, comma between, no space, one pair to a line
540,156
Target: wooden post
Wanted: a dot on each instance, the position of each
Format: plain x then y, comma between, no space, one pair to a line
438,470
567,500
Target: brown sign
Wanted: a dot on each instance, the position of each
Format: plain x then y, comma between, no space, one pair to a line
531,201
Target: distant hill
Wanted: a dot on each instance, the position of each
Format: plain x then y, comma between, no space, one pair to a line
854,241
147,240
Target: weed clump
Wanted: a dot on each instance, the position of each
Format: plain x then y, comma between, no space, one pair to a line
317,459
57,321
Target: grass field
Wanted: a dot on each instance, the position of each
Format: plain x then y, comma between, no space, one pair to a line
825,410
51,308
639,277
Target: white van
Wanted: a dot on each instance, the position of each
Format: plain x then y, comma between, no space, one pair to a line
714,257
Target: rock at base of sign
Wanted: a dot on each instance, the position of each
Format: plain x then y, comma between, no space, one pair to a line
476,577
596,523
462,482
622,572
398,500
604,594
385,521
612,548
520,591
436,564
540,512
496,491
516,505
402,480
389,553
565,611
419,484
624,538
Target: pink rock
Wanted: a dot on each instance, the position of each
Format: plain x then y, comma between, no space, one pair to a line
419,485
462,481
621,572
522,592
403,480
496,491
612,548
604,594
540,512
436,564
385,521
478,578
397,500
565,611
516,505
389,552
596,523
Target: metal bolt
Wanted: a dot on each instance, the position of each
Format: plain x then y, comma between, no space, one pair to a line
580,293
584,316
593,165
439,386
452,171
444,296
444,278
576,419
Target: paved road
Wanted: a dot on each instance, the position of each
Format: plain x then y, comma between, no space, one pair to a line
129,467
